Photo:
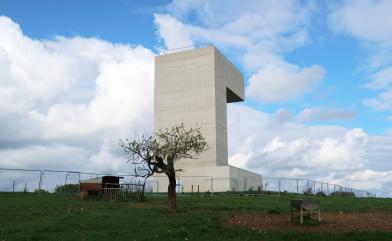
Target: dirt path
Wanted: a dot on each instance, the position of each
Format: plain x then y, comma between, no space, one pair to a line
331,222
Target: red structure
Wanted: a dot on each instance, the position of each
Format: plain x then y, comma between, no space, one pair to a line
93,187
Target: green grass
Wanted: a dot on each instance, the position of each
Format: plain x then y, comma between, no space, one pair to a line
51,217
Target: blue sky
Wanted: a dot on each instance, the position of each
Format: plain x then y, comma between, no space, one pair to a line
321,75
119,21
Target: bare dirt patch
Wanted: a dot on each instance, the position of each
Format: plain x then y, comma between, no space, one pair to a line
331,222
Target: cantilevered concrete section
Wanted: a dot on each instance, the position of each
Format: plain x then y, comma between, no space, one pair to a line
193,87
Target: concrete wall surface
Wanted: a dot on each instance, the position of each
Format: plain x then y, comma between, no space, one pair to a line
193,87
211,179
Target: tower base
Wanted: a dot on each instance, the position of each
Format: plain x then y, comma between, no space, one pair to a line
211,179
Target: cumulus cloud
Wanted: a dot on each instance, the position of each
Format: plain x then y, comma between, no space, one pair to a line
294,150
67,101
370,179
283,115
283,82
172,31
260,32
375,34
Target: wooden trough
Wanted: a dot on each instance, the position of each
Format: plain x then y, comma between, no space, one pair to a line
302,207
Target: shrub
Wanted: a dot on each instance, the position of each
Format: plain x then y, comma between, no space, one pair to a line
259,189
308,191
40,191
342,194
321,194
67,188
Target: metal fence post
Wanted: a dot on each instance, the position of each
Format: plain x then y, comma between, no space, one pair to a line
79,185
40,180
297,186
66,177
13,187
279,186
212,185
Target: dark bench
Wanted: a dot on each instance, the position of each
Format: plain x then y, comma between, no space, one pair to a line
302,207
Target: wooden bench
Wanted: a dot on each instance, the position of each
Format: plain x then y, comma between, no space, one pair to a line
308,207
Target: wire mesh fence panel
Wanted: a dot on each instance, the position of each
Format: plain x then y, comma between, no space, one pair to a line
68,182
19,181
61,182
149,186
271,184
194,184
183,184
288,185
123,192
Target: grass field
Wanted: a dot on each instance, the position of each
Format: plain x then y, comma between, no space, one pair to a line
52,217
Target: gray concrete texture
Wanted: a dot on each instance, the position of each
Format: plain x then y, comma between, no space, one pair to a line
193,87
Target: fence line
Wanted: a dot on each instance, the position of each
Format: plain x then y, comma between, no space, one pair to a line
28,180
122,191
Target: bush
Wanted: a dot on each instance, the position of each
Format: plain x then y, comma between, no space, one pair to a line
342,194
40,191
250,190
67,188
308,191
321,194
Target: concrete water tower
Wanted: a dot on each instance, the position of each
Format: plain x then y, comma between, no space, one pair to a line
194,87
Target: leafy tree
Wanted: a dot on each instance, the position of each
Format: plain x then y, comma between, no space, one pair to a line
156,154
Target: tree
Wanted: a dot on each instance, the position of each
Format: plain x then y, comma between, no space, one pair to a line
158,154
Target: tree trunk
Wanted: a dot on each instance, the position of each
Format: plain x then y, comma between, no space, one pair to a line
171,193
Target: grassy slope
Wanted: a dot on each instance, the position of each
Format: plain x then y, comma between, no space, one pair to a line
49,217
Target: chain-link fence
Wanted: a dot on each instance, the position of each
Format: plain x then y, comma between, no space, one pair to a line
67,182
306,186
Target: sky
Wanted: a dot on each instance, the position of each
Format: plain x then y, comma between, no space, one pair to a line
76,76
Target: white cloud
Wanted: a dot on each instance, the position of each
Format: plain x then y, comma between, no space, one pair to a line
362,20
283,115
293,150
172,31
248,23
367,179
66,99
57,156
276,83
260,32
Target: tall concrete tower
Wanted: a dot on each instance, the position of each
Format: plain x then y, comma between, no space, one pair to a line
193,87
